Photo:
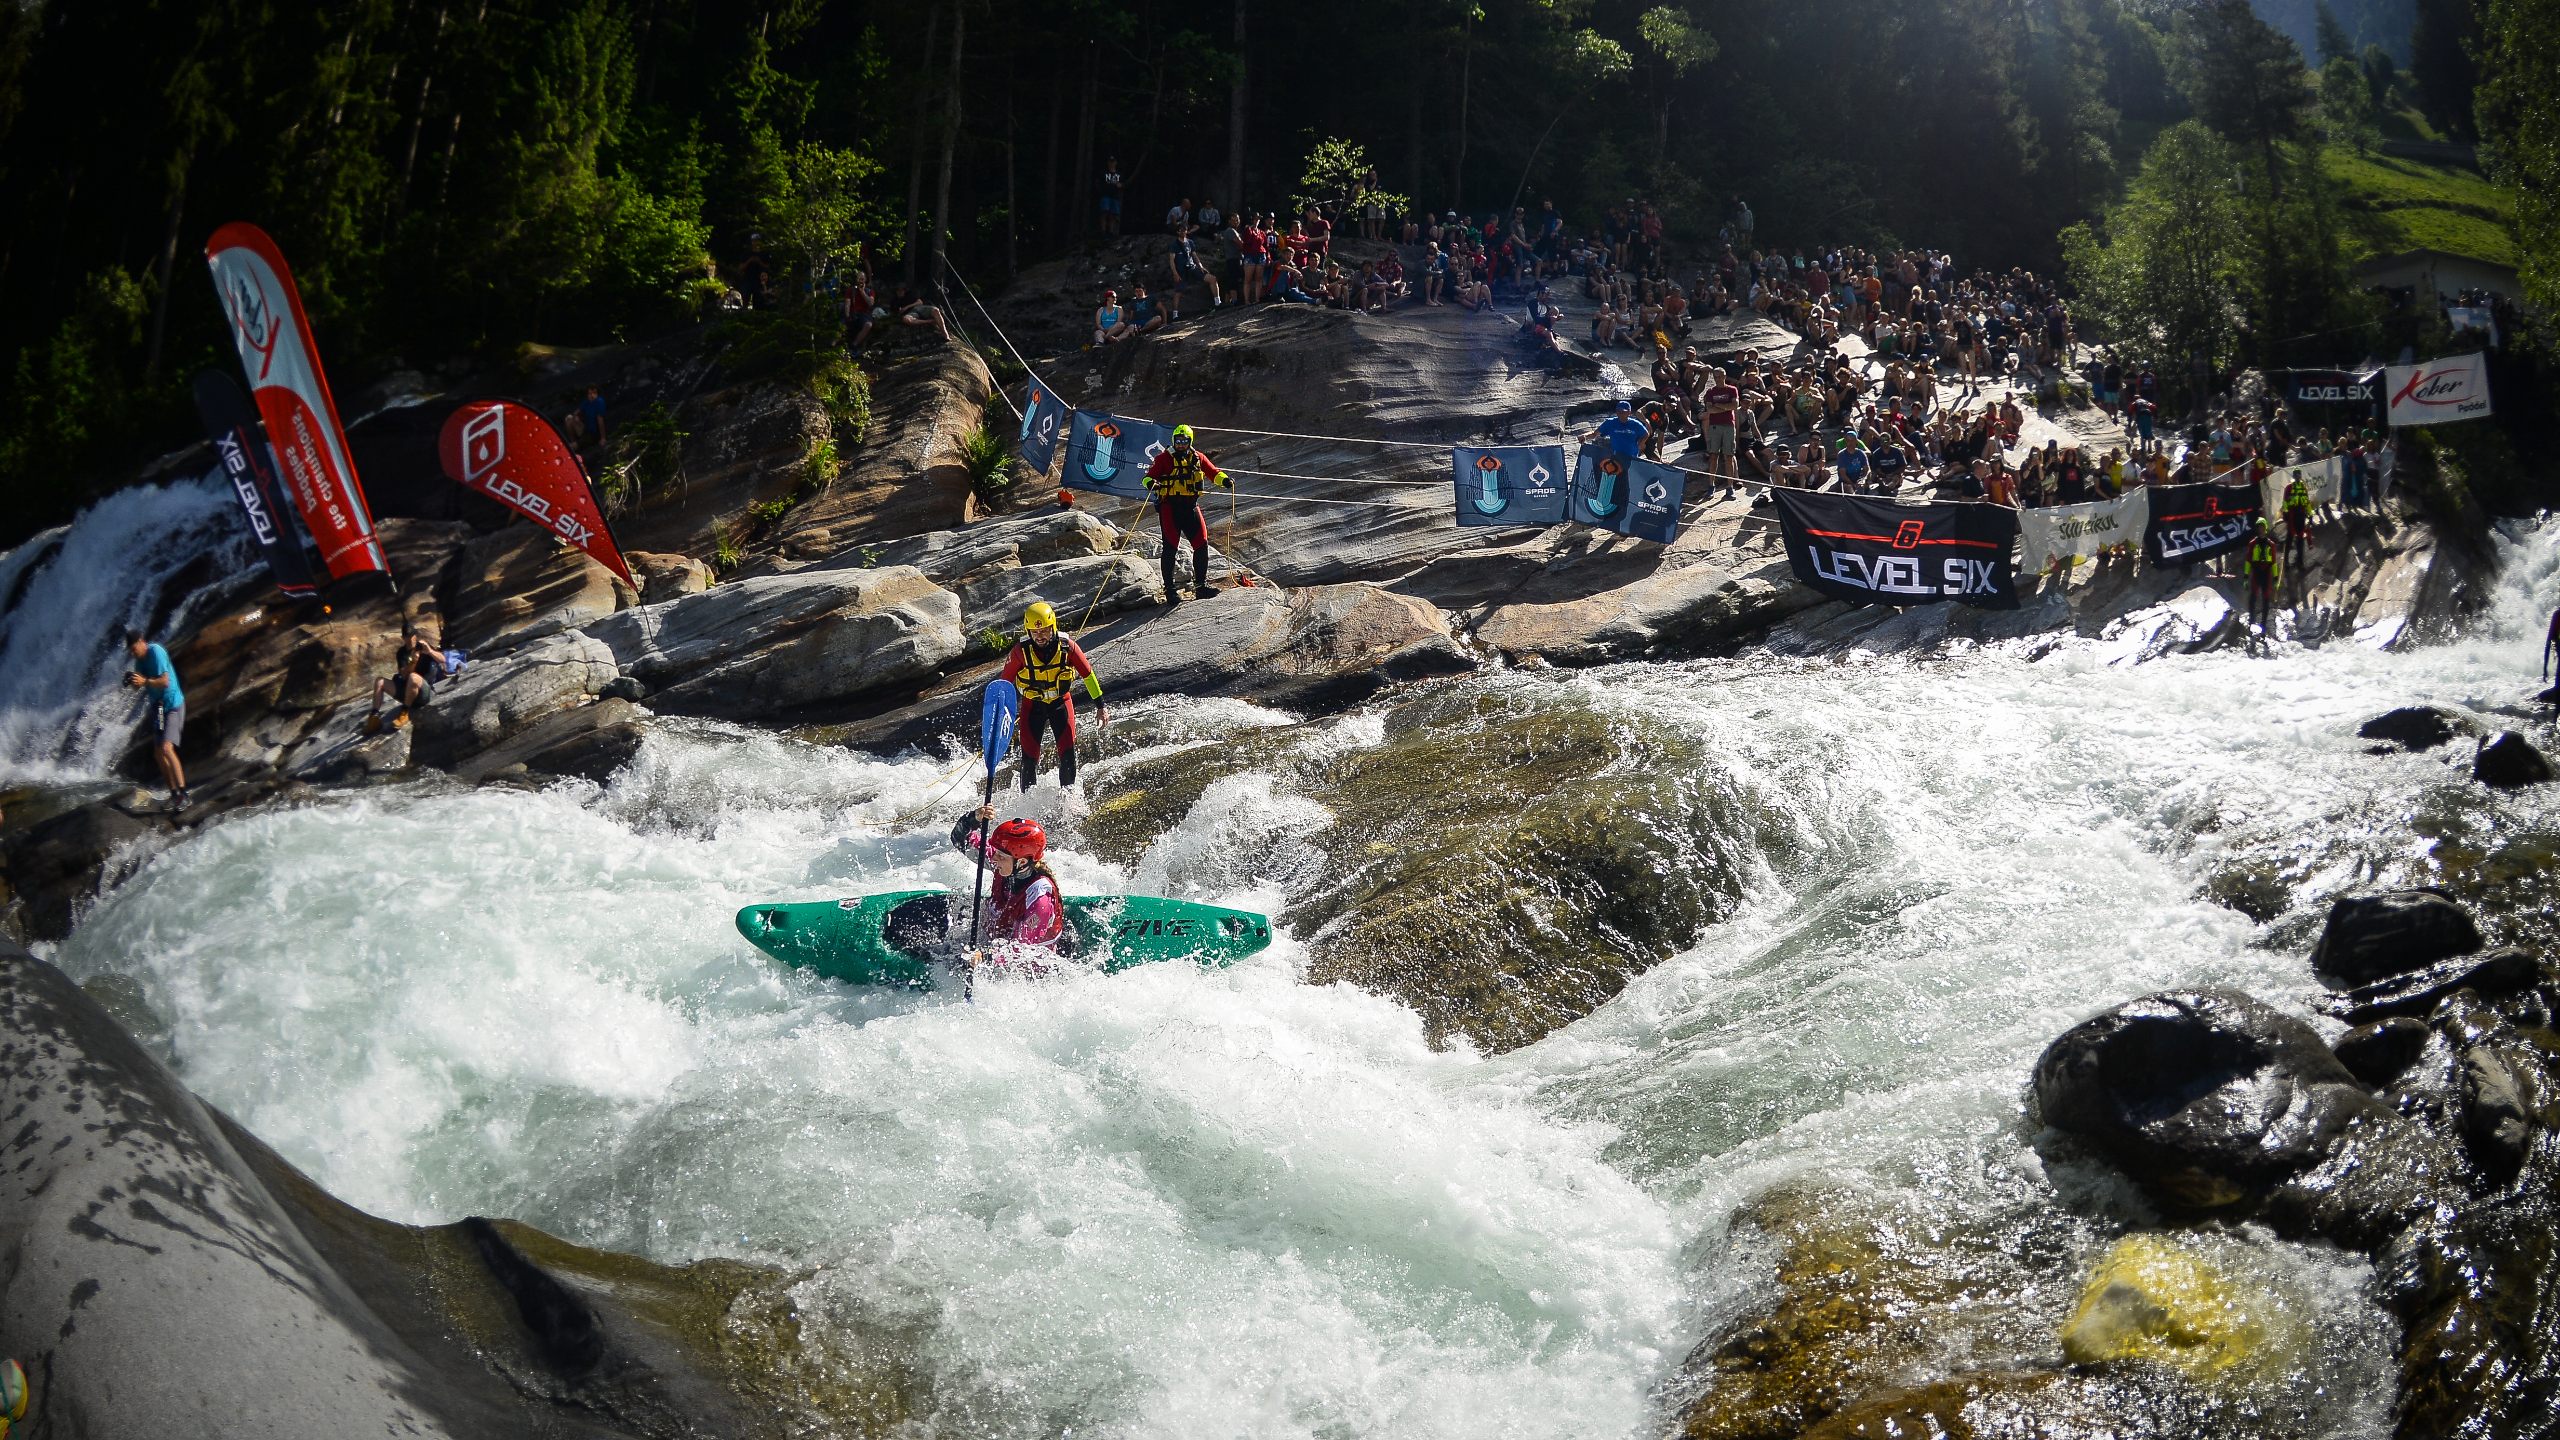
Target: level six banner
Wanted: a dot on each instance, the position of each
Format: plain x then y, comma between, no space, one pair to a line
512,455
2197,522
265,311
231,423
1875,552
1510,484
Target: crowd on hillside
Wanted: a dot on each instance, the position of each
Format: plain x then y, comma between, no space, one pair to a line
1906,370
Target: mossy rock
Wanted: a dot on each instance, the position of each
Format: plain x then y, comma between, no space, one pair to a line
2159,1300
1512,855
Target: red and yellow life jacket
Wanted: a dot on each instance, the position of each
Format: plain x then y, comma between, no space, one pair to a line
1185,474
1047,680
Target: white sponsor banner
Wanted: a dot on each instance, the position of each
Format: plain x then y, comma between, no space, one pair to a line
2081,529
2325,479
2454,388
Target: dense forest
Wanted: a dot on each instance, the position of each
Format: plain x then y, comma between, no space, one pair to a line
457,177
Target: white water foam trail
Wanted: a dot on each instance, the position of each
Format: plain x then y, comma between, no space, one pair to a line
65,595
1174,1202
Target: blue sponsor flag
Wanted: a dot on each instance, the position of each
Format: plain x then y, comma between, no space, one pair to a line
1510,484
1599,488
1627,495
1111,454
1044,418
1652,511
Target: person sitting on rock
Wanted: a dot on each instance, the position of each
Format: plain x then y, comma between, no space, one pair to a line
1026,916
1176,478
414,668
1184,261
1144,314
1045,668
1110,322
157,678
913,309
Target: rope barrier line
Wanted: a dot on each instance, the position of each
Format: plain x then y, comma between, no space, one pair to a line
947,775
1330,439
1322,479
1126,531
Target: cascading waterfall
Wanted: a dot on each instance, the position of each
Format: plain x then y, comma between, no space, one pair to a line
1175,1202
150,556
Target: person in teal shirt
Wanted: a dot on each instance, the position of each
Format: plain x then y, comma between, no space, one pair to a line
157,679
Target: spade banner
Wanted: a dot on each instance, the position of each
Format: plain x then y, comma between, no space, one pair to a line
1625,494
1111,453
1510,484
1044,417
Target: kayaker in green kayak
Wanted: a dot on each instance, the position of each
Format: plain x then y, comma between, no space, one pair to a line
1024,917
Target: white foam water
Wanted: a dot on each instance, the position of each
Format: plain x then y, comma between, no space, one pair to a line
1175,1202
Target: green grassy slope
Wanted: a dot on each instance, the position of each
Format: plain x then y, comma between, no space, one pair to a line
2395,205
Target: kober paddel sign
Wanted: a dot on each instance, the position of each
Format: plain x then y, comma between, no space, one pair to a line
1875,552
2454,388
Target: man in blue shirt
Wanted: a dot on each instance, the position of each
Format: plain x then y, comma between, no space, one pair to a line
591,413
157,679
1624,432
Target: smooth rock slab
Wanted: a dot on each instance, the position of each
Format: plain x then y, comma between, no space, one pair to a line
755,647
498,698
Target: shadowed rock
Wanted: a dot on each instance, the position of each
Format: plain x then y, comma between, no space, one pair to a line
2510,762
2415,727
2382,1051
2374,937
162,1266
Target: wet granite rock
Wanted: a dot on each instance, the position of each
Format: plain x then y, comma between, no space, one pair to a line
2416,727
2381,1051
2374,937
2510,762
2500,973
2208,1098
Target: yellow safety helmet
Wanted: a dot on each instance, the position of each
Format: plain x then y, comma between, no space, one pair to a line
1181,434
1039,617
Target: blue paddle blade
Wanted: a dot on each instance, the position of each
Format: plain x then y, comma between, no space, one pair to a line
996,722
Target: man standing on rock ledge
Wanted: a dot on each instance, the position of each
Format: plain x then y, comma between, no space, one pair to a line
1176,477
153,675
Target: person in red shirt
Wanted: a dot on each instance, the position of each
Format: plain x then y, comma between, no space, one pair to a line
1045,668
1717,408
1177,478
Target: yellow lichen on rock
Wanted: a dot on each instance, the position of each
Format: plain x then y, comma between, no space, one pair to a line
2152,1298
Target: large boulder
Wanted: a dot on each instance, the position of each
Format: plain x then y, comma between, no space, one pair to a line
60,862
500,697
2510,762
2374,937
169,1275
2208,1098
777,642
1693,606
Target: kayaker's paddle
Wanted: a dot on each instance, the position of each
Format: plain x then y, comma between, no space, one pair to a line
995,736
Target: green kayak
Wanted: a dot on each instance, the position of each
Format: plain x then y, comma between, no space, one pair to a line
894,939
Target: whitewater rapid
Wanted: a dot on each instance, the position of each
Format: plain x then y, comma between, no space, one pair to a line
1174,1202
